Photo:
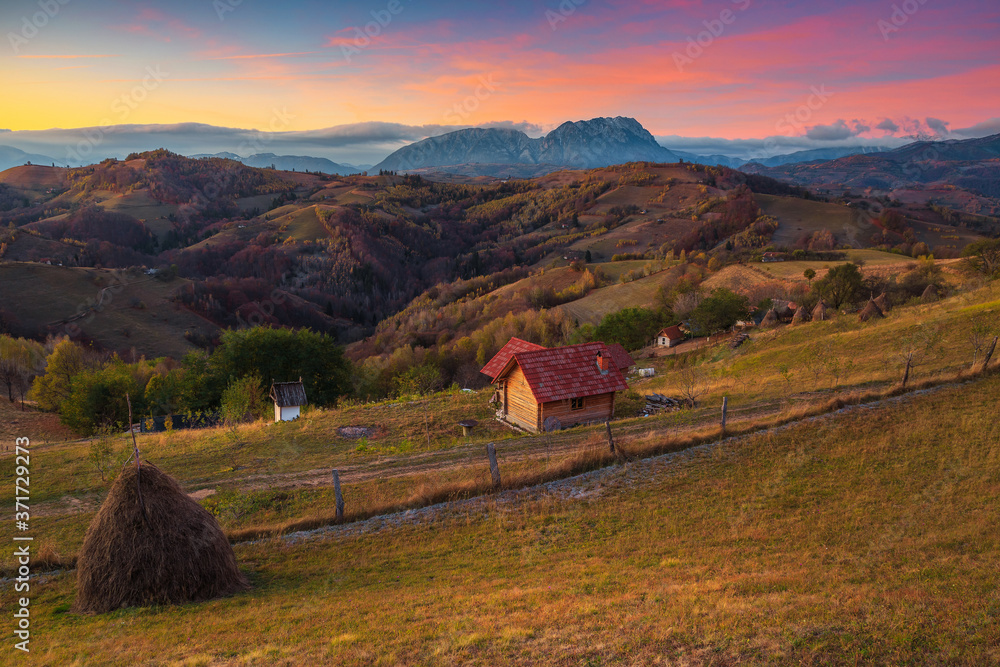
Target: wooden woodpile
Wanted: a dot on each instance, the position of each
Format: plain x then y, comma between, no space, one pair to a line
738,340
657,403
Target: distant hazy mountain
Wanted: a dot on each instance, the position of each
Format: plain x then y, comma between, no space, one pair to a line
289,162
15,157
580,145
970,164
777,160
814,154
711,160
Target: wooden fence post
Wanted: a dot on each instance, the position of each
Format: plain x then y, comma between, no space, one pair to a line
725,404
336,493
491,454
611,440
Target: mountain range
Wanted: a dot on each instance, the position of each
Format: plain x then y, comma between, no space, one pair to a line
500,151
970,164
291,162
587,144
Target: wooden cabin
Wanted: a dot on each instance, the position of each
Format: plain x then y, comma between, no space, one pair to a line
548,389
288,397
669,337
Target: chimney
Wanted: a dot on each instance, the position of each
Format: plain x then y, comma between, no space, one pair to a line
602,363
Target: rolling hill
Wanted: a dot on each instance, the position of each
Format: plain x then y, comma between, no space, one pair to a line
917,170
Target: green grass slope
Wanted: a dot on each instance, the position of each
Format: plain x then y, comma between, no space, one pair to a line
866,537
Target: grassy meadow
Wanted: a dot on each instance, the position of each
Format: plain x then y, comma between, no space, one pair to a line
868,536
264,478
839,520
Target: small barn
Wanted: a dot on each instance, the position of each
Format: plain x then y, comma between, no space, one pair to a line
669,337
288,397
785,310
553,388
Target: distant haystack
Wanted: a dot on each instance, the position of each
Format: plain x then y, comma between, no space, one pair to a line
870,311
177,553
820,312
882,301
770,319
800,316
930,294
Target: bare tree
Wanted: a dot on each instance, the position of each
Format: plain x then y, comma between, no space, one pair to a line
693,383
914,348
979,337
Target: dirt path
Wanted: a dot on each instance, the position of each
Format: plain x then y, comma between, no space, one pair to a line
552,446
546,446
584,487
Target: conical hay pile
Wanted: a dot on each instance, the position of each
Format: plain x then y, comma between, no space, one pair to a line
930,294
770,319
882,301
820,312
177,554
870,311
800,316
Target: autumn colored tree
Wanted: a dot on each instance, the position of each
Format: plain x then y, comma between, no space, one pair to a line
50,389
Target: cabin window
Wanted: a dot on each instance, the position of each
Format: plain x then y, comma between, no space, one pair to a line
576,403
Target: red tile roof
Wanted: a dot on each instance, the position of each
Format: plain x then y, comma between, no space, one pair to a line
673,333
567,372
623,360
513,346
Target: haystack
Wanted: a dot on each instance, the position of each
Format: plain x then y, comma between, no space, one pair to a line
177,554
870,311
820,312
770,319
930,294
800,316
882,301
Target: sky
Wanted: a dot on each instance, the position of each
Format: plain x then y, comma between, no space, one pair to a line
358,79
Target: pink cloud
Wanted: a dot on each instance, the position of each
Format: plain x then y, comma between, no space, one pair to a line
158,25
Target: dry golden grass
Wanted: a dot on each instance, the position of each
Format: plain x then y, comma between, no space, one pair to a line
867,537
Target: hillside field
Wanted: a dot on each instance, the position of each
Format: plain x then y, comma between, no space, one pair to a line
135,310
869,536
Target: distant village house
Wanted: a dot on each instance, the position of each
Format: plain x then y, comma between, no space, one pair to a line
541,388
669,337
